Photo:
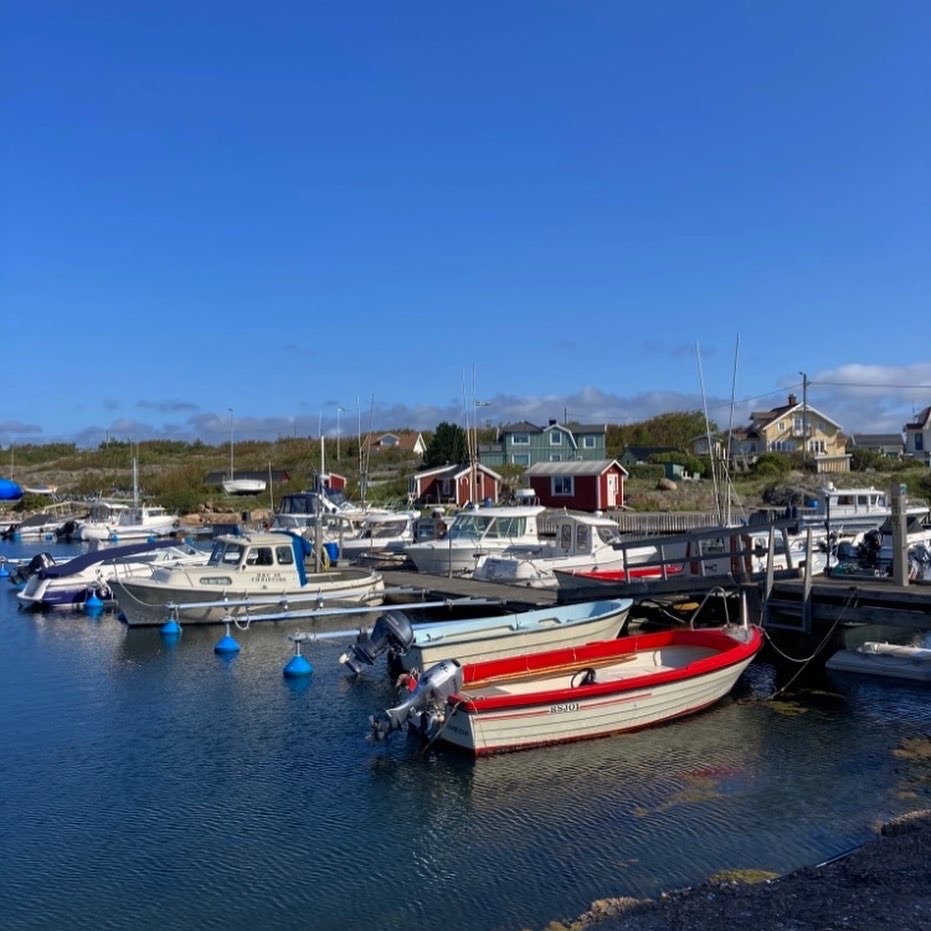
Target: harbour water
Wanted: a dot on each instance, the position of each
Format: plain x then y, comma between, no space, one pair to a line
146,784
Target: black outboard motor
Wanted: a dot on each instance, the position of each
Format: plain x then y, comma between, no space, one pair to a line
39,561
425,703
870,547
392,629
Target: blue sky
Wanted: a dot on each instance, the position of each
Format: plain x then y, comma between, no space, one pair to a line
572,209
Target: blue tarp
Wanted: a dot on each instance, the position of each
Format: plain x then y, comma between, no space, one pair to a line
9,490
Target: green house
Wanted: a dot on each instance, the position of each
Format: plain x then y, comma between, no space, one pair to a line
525,444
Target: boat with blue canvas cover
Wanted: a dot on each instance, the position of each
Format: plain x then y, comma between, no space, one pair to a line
69,584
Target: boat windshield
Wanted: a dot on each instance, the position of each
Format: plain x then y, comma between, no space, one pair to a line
487,526
384,529
609,534
226,554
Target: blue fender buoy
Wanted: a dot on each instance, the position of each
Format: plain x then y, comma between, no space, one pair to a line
226,644
4,572
171,628
93,606
297,667
114,538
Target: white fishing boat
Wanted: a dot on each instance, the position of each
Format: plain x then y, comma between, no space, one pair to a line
475,533
580,542
413,646
243,573
575,693
849,510
892,660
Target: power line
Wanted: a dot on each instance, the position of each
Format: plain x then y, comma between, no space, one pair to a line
854,384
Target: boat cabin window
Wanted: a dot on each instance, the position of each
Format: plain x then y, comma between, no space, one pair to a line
260,556
565,536
387,529
507,527
469,525
225,554
609,534
582,539
285,555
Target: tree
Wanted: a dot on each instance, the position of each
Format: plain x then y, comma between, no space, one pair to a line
447,446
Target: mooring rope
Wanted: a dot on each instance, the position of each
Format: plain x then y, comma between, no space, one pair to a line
808,659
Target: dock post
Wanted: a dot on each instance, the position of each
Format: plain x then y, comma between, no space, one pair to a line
806,586
899,535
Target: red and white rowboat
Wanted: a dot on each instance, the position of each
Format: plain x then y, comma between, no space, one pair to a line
577,693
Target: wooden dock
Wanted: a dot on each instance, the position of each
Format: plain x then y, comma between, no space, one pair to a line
790,600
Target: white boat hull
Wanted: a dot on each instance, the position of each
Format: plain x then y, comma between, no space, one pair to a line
144,603
244,486
539,725
885,659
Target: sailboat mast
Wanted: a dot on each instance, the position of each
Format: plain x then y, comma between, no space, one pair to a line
231,442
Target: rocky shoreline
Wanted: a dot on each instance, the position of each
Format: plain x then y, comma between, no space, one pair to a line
884,883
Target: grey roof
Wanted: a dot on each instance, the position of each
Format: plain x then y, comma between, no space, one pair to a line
877,439
573,467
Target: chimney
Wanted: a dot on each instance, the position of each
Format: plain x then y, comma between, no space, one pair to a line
552,422
793,400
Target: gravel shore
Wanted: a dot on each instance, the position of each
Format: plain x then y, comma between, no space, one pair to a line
886,883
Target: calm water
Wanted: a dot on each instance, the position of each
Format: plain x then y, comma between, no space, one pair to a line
150,785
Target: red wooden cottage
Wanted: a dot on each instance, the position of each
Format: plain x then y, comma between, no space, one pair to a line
452,484
579,485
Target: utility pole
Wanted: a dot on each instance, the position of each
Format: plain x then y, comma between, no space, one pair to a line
804,417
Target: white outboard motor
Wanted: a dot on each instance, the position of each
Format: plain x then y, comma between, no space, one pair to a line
392,629
425,703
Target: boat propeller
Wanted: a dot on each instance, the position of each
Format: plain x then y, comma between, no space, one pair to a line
424,703
392,629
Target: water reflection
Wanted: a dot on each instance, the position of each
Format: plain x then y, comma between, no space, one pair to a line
188,776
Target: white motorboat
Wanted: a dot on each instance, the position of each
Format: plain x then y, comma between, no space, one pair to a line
244,572
385,533
894,660
849,510
415,646
133,522
581,543
476,533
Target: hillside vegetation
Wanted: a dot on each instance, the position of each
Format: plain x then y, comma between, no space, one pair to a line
173,474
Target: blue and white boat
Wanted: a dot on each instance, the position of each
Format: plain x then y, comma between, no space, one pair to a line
71,583
419,645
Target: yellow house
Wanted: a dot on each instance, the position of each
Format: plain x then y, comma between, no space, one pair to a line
800,428
791,428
